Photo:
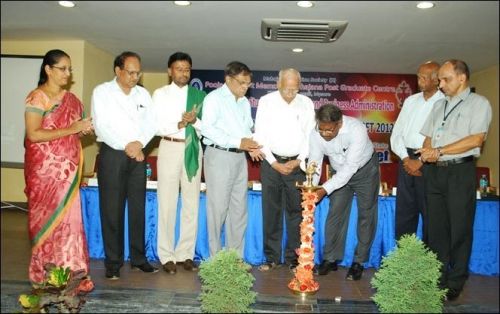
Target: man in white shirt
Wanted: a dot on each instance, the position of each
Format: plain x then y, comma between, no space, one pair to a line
283,124
177,108
405,140
124,124
350,151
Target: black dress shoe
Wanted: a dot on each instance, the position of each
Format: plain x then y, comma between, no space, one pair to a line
452,294
146,267
293,265
189,265
355,272
325,267
112,274
170,267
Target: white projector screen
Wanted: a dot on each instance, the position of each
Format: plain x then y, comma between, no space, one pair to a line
19,77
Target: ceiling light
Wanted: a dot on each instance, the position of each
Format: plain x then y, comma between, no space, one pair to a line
67,4
305,4
297,50
425,5
182,3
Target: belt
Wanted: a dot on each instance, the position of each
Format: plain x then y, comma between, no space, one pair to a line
232,150
283,158
173,139
456,161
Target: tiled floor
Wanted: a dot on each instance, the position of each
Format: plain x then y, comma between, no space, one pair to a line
161,292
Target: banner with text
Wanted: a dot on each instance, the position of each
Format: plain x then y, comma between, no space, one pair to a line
375,99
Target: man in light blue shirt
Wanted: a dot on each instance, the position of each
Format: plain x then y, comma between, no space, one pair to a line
227,130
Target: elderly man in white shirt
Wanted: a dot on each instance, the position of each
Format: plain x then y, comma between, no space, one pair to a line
405,140
283,123
123,122
177,108
344,140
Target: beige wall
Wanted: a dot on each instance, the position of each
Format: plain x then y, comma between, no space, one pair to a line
98,68
91,66
486,84
152,81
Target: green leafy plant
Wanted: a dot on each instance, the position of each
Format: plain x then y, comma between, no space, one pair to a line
407,281
226,284
62,288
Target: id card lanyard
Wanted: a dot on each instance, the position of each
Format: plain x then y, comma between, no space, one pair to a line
446,115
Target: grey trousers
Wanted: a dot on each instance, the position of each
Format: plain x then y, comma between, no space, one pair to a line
226,176
365,183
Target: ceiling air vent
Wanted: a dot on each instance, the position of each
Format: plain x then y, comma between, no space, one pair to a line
320,31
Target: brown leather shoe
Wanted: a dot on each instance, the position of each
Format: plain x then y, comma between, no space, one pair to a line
170,267
189,265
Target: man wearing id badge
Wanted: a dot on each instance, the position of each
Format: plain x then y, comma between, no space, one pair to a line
454,133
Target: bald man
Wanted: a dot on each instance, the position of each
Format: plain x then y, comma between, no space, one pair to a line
405,140
283,123
454,133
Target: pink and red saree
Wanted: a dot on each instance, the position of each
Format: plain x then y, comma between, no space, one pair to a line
52,172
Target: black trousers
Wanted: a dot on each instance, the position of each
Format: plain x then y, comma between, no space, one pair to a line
365,184
451,198
121,179
410,202
279,194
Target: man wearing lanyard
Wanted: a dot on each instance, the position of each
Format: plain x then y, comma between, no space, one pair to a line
350,151
454,133
405,140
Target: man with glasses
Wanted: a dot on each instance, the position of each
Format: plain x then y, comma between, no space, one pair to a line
454,131
124,124
283,124
355,166
227,130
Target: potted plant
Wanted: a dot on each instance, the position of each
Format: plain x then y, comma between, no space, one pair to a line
62,288
407,281
226,284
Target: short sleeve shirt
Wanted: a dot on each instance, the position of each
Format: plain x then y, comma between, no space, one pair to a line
453,119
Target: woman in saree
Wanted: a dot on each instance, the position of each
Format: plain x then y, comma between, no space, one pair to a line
52,170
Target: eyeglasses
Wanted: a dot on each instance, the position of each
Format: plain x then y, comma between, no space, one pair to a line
133,73
244,84
63,69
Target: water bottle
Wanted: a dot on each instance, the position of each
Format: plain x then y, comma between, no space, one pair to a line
149,172
483,185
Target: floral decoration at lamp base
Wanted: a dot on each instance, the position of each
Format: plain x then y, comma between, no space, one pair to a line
303,282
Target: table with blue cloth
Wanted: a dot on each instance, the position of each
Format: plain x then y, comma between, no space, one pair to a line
484,257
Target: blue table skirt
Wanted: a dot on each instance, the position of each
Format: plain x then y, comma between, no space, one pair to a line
484,258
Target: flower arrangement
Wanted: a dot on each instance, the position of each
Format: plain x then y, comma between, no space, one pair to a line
304,282
63,288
